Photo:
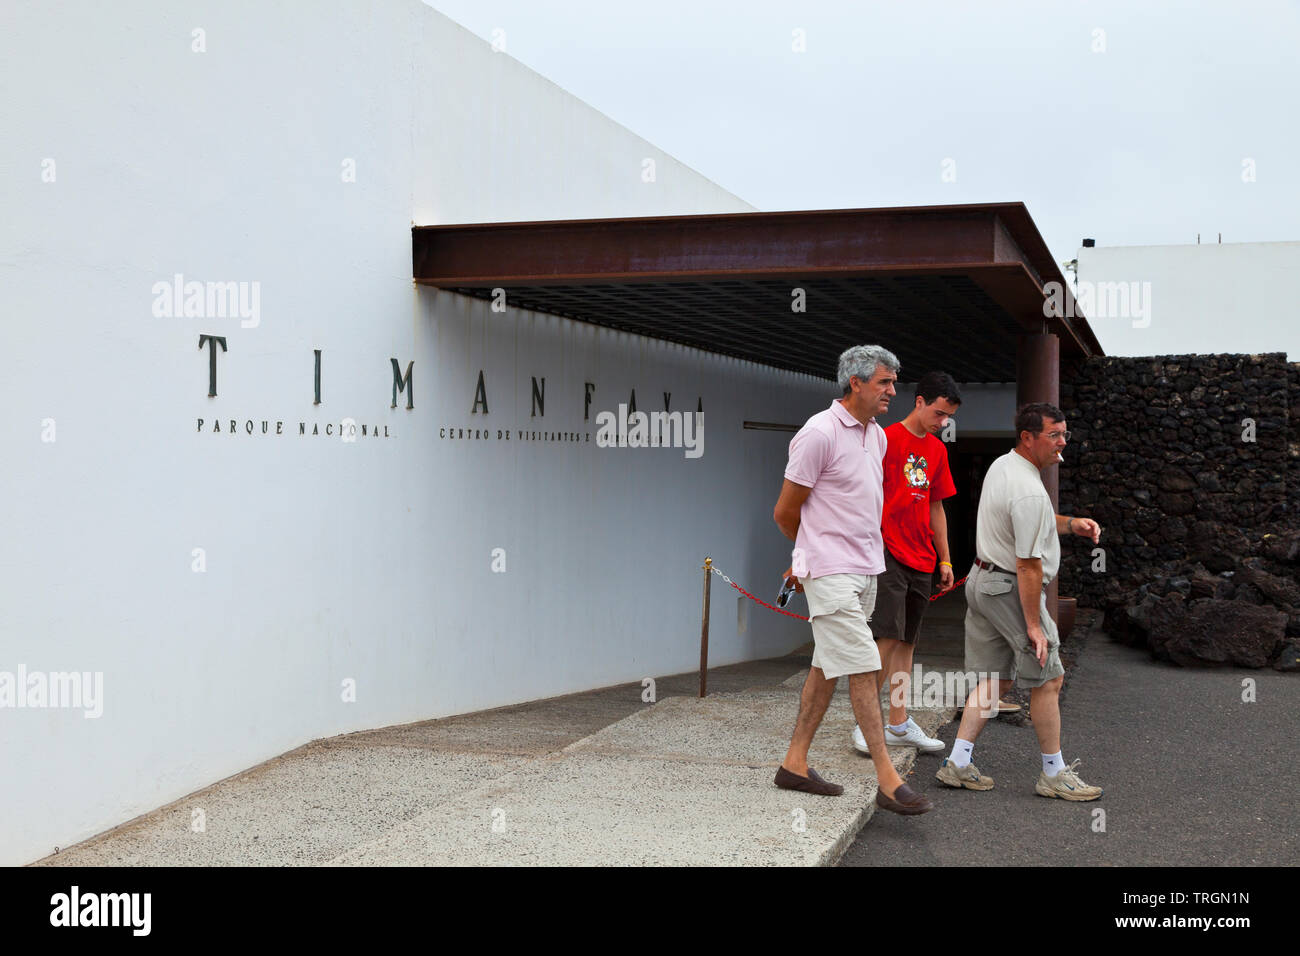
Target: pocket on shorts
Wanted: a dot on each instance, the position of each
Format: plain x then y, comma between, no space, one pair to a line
994,585
1049,627
835,592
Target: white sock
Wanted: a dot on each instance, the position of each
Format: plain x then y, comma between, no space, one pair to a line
961,751
899,728
1053,763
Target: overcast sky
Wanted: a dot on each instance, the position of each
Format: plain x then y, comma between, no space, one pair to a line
1126,122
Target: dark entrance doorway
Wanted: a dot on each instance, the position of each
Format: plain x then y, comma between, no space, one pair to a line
969,460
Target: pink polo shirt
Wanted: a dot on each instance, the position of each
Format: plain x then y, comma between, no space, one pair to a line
843,463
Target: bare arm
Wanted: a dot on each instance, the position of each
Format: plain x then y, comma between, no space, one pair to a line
1029,578
1083,527
788,507
939,528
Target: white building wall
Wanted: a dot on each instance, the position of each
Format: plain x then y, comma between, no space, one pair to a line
130,158
1207,298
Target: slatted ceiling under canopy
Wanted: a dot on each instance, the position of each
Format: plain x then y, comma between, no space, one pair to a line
929,322
948,287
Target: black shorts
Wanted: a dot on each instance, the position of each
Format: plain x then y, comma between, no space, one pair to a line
902,595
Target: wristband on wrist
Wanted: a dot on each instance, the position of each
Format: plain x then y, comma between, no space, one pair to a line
946,562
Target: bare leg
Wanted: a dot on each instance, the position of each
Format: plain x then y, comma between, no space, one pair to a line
900,681
816,697
1045,712
887,647
864,692
974,718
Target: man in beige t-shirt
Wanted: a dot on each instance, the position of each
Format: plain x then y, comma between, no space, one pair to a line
1010,637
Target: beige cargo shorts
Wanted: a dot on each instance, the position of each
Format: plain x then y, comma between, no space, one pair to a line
997,640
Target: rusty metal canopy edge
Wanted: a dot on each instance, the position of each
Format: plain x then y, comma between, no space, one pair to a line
973,275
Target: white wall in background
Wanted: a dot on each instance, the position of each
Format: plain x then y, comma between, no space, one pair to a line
130,158
1207,298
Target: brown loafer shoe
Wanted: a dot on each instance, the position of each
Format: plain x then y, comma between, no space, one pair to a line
809,784
905,801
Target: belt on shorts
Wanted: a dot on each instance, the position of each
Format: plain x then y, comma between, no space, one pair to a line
987,566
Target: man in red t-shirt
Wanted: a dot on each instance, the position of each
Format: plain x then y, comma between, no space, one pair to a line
915,530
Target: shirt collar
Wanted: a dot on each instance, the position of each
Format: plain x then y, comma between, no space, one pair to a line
1026,463
843,414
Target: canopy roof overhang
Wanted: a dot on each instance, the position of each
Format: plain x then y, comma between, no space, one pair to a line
948,287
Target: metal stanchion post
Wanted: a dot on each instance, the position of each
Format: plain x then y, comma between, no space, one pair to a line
704,628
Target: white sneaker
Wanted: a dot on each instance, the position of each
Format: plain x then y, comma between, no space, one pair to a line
859,741
914,736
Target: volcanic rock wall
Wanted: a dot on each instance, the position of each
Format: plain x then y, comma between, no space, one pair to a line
1190,463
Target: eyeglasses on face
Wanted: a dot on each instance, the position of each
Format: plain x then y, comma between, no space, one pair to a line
1055,435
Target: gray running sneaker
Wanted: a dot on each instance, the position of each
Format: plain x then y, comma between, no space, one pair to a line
1066,785
968,776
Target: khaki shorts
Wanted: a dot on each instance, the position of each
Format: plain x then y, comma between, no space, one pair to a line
839,606
997,640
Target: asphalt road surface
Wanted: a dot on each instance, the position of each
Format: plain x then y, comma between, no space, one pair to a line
1194,776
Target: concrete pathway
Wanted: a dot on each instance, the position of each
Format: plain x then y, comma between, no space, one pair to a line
600,778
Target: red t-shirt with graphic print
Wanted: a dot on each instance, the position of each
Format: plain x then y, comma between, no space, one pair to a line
916,473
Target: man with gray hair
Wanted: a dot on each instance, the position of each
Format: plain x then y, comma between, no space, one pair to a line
830,507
